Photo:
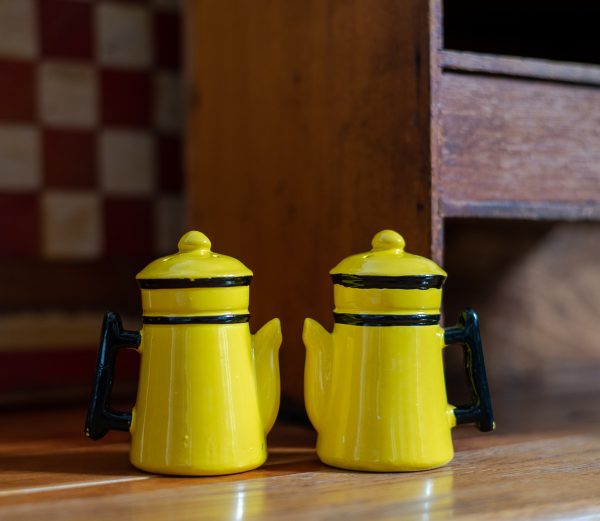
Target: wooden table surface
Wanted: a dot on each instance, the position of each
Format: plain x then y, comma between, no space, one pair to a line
543,462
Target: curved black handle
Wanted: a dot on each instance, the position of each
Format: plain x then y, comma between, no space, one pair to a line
466,332
100,417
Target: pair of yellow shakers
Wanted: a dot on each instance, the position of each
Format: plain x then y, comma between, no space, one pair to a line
208,390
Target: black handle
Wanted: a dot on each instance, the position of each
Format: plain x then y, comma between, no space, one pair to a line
100,417
466,332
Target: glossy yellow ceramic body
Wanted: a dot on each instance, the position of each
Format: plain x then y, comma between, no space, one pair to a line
208,393
376,395
377,398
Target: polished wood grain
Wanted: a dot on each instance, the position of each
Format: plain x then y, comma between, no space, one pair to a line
306,136
542,463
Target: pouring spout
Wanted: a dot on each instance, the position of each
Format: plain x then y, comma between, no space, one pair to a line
317,371
265,346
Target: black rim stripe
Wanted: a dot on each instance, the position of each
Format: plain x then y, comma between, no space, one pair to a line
387,282
420,319
214,282
215,319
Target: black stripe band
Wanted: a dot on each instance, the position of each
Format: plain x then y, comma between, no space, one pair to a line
214,319
420,319
214,282
387,282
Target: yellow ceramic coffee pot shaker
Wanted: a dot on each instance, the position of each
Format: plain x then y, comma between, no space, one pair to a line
208,390
374,388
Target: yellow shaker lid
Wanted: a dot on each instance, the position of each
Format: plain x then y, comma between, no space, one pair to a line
195,262
388,265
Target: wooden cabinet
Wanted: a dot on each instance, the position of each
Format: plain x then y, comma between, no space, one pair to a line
311,125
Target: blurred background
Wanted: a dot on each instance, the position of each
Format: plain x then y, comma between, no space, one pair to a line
290,133
90,179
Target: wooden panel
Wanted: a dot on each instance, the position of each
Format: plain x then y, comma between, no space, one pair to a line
308,131
523,67
507,140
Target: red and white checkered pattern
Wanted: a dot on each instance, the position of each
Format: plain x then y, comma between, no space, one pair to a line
90,119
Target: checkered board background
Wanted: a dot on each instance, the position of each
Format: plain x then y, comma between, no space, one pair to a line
90,119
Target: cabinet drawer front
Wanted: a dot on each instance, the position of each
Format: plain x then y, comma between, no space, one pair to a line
510,146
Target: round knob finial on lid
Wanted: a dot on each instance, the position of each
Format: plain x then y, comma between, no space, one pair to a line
388,240
194,241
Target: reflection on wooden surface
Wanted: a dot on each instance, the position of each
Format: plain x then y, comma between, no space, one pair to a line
529,468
